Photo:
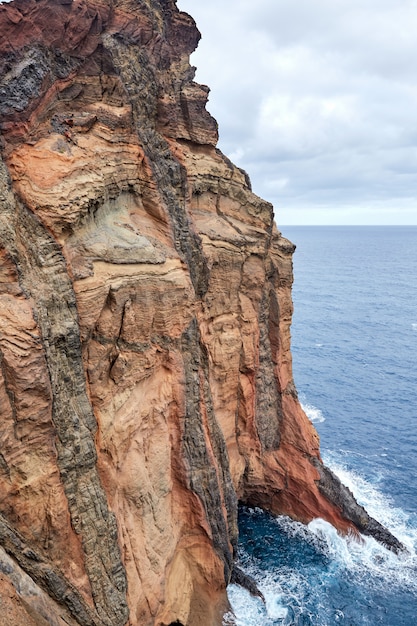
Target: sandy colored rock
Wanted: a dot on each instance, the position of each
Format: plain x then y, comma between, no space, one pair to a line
145,307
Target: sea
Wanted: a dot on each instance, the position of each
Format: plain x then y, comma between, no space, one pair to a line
354,346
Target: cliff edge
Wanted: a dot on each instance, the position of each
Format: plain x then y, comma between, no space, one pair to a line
145,309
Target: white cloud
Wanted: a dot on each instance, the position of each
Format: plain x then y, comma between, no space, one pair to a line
317,101
321,95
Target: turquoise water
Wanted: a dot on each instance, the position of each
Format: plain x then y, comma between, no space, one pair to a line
354,339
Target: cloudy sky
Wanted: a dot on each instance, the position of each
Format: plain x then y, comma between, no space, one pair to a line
317,100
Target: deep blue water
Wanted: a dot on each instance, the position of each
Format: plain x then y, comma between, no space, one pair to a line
354,345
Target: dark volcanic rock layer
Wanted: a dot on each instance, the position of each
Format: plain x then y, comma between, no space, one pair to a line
145,307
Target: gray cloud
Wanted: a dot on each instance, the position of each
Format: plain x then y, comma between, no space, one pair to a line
317,101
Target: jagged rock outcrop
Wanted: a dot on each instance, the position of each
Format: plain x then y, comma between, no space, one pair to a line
145,309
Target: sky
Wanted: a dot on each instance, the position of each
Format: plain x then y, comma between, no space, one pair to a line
317,101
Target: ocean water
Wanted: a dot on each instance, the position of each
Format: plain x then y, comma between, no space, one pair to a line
354,345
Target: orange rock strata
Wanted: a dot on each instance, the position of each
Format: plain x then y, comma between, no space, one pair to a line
145,310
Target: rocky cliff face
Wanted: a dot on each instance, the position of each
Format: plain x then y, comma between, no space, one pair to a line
145,308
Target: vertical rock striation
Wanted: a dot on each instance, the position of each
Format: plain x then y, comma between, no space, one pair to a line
145,309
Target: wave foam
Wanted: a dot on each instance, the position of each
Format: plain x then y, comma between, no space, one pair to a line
367,560
300,594
378,505
313,414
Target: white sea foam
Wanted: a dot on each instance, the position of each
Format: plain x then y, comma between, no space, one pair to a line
414,326
378,505
313,414
368,559
247,610
281,601
287,592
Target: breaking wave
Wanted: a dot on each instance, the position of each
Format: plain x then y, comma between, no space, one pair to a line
310,575
313,414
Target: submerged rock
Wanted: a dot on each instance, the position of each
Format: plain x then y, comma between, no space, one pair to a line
247,582
145,308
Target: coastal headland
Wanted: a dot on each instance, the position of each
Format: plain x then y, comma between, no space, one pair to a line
146,385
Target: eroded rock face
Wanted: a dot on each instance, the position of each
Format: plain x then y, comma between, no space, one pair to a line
145,310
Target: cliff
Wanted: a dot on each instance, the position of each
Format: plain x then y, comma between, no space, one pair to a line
145,309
